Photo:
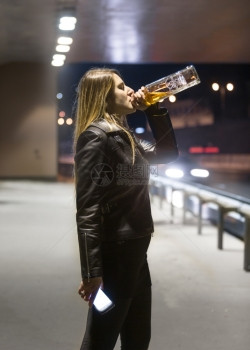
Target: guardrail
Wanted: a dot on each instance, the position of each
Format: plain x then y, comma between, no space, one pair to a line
224,203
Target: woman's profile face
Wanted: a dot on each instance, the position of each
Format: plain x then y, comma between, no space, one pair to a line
120,98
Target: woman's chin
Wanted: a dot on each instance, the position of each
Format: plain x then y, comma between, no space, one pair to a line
133,108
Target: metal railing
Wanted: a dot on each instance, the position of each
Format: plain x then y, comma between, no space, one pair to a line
220,204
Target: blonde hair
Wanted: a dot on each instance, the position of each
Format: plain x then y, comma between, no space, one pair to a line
93,90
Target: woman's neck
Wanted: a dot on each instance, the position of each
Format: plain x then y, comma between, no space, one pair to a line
124,122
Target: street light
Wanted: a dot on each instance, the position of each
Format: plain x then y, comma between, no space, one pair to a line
172,98
222,90
230,86
215,86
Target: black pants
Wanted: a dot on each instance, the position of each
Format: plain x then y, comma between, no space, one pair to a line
127,282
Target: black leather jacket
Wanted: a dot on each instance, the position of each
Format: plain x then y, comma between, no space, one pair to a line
112,193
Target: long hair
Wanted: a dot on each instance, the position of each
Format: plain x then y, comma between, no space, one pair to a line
93,90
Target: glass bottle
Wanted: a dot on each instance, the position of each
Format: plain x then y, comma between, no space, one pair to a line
171,84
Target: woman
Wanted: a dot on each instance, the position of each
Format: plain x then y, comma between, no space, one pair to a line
113,209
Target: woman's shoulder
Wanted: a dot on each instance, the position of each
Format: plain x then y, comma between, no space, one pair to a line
91,135
89,142
98,132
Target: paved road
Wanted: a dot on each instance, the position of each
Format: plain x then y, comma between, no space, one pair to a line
201,297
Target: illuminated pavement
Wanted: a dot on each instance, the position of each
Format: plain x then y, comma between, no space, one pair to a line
201,297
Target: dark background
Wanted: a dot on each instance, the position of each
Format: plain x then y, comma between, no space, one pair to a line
230,130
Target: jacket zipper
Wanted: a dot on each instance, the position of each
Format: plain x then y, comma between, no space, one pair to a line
86,253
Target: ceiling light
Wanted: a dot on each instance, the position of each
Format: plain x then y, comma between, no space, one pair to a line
57,63
59,57
67,23
63,40
66,26
68,19
62,48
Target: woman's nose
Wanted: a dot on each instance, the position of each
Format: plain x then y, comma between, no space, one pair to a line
130,91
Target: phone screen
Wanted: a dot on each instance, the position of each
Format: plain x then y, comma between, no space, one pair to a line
102,302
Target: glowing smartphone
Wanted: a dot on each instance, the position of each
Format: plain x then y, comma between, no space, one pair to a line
102,303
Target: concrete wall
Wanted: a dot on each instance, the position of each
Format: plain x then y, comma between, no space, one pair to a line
28,129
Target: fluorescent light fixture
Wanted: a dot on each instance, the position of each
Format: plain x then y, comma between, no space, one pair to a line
62,48
199,172
64,40
67,23
59,57
66,26
57,63
68,19
174,173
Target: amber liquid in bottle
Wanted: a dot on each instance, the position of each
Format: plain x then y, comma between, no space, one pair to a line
159,93
155,96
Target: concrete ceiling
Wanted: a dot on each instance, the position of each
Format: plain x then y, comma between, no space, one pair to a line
120,31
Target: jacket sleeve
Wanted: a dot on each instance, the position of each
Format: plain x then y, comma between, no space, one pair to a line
89,161
165,149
